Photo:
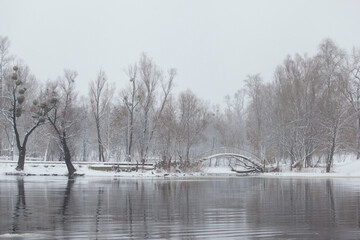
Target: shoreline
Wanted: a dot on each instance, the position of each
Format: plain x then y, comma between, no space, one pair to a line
345,169
196,175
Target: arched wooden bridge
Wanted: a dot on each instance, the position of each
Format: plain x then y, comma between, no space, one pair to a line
247,160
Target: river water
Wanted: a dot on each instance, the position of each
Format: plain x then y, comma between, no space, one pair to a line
211,208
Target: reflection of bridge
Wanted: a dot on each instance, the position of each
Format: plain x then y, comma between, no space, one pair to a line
247,160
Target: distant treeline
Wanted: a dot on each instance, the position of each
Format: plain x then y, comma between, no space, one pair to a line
306,114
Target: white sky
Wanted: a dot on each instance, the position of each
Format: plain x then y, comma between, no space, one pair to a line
212,44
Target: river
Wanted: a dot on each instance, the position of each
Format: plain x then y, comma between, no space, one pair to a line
189,208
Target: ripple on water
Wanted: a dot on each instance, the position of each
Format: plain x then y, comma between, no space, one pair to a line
231,208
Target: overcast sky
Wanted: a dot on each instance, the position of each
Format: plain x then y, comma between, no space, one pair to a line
212,44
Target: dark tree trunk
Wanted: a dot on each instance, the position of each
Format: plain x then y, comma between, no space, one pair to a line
131,130
308,152
100,145
131,123
101,152
67,157
330,156
22,148
292,159
329,161
21,159
187,160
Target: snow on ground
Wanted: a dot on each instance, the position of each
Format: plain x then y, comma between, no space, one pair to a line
349,166
217,170
33,169
344,166
61,170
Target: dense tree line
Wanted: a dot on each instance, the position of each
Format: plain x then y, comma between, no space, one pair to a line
306,114
310,111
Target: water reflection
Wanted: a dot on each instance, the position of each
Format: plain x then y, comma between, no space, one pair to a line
20,214
67,195
66,208
318,209
98,209
331,200
162,209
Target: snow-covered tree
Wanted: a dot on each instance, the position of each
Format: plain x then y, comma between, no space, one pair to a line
193,118
65,115
100,98
20,107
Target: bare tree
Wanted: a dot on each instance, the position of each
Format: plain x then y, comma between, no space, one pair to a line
19,111
256,119
143,105
297,84
5,59
65,115
119,139
308,114
192,120
334,112
230,125
351,90
166,86
131,99
100,97
166,135
150,77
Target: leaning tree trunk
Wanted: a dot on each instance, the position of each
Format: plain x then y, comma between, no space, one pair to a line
62,136
69,165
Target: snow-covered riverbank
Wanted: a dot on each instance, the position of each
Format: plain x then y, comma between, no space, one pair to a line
32,169
344,166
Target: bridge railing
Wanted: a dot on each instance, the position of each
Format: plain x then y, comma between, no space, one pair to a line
228,150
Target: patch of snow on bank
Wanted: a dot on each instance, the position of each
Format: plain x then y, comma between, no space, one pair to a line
220,169
350,166
61,170
344,166
58,170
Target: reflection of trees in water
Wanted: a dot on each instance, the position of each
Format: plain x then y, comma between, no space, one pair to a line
40,213
312,204
129,213
331,202
193,204
20,211
156,208
65,208
99,208
66,201
146,209
141,204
